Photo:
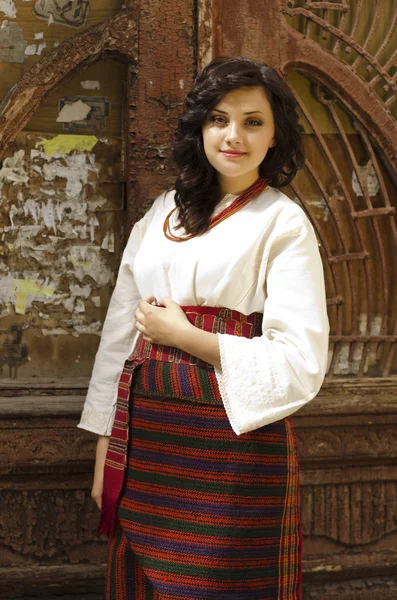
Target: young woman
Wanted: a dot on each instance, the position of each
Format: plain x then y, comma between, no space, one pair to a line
220,309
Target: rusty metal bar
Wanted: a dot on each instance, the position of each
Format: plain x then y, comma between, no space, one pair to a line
328,6
343,15
334,276
345,38
349,256
391,212
377,237
343,240
342,185
390,101
359,7
365,339
387,66
374,25
335,300
324,33
369,294
388,36
373,212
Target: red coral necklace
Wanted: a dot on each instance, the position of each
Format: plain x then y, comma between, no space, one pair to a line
252,192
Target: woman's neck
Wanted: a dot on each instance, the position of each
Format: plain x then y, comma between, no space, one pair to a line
236,185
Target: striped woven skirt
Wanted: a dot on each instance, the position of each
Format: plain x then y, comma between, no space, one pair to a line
204,514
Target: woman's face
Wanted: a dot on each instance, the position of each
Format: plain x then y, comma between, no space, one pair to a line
237,134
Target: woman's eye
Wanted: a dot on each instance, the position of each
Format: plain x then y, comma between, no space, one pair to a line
221,121
216,119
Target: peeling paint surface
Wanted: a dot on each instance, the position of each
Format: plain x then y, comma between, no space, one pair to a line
8,8
368,176
90,84
72,14
33,49
75,111
93,119
12,44
58,248
350,366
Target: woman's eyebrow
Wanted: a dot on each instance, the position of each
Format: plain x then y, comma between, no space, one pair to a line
252,112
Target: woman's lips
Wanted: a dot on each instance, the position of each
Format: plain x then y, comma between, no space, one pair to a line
230,154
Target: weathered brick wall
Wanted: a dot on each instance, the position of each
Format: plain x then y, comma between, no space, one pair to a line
167,50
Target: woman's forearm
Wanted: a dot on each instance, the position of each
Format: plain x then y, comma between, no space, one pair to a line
202,344
97,486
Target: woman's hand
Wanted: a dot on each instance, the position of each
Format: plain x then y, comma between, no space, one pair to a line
169,326
97,486
165,325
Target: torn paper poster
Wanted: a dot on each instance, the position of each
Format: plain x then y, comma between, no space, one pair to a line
12,44
72,13
368,176
74,168
93,328
40,48
8,8
108,242
22,288
52,239
90,84
55,331
64,144
76,111
31,50
13,169
97,117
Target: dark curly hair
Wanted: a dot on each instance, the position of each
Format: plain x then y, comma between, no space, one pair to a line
197,188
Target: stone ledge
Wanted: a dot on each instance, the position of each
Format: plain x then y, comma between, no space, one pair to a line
377,403
44,581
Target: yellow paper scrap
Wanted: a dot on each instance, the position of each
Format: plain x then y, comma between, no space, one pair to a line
64,143
30,286
47,291
20,303
23,287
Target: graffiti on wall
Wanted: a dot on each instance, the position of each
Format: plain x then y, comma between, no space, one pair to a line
72,13
13,352
78,113
12,44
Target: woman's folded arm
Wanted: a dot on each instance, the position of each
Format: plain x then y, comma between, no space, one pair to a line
267,378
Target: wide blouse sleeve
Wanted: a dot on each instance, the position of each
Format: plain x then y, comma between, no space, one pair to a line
117,339
269,377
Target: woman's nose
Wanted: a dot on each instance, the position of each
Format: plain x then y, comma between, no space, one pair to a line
233,133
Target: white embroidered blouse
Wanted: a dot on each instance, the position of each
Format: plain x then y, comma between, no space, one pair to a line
264,258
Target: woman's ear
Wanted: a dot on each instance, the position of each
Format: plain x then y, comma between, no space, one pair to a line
273,143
